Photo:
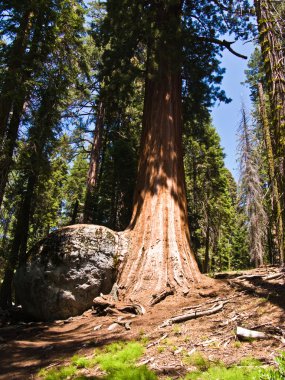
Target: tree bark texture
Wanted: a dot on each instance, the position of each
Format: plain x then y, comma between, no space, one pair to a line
92,177
207,249
271,37
13,76
6,158
20,92
271,170
160,256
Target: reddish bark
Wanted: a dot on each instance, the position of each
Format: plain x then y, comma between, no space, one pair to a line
159,255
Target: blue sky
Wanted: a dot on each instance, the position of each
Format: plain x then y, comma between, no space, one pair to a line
226,117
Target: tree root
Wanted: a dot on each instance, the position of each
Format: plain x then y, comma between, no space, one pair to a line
105,305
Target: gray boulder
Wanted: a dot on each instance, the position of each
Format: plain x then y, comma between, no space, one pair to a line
66,270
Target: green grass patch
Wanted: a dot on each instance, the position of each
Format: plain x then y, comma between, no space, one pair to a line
118,360
59,373
223,373
197,360
248,369
82,362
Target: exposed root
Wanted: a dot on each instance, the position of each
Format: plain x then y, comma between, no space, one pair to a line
105,305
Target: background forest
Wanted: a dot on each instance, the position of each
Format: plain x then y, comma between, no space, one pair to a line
71,102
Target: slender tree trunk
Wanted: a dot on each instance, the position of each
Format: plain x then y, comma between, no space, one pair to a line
74,212
13,75
39,137
160,256
271,169
6,158
19,240
9,143
207,249
92,177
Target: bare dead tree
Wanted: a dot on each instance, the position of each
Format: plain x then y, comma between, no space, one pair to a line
251,193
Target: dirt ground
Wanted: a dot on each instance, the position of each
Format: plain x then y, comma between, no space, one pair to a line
253,299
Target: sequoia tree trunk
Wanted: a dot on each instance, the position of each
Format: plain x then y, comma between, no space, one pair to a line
159,256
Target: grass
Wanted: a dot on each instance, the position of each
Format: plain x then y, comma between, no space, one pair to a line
223,373
176,330
117,360
197,360
58,374
248,369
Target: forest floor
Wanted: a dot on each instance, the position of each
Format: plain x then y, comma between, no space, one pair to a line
253,299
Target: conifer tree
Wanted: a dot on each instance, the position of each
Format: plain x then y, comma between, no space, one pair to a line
158,232
36,29
251,192
56,88
271,27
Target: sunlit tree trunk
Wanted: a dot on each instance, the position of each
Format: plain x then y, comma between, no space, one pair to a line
159,255
93,172
270,17
271,170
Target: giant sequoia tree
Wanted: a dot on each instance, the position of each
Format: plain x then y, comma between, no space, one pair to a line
160,256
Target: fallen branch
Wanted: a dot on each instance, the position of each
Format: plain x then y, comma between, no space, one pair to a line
201,304
160,297
274,276
249,276
218,299
253,334
241,332
157,341
193,315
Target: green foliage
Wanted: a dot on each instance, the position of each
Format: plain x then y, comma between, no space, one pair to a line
74,188
215,220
